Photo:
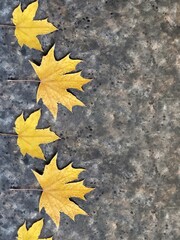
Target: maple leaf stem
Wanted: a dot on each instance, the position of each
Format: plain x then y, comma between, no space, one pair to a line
16,80
26,189
8,25
8,134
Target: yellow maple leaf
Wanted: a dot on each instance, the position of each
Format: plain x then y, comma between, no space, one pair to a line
28,29
58,187
56,79
33,233
29,138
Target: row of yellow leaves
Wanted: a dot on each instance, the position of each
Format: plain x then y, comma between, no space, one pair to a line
55,77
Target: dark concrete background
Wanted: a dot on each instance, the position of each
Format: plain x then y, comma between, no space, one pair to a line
126,137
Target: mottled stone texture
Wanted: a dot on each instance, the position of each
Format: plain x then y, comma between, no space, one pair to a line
126,137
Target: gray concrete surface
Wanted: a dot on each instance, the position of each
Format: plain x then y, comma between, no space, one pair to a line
126,137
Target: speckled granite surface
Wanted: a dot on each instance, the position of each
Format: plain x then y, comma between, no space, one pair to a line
126,138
